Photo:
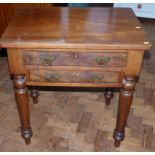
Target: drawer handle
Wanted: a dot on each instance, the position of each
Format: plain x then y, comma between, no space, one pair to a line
47,60
96,79
103,61
51,77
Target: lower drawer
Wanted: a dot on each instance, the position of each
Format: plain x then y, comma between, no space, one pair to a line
72,76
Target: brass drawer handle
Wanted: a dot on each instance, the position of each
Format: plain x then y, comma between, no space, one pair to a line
47,60
96,79
51,77
103,61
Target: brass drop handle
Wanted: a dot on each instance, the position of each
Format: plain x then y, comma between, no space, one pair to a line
96,79
47,60
103,61
51,77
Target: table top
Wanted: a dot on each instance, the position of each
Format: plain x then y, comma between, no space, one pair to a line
98,28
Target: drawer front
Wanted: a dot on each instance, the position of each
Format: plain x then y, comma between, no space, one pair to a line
72,76
74,59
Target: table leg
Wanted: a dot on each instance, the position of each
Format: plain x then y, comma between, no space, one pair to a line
108,95
22,100
125,100
34,93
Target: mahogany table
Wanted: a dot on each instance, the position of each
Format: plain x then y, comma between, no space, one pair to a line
75,47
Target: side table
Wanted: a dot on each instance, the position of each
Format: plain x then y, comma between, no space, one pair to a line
75,47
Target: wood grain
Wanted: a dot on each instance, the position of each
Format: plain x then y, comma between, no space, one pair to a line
7,11
84,122
47,58
75,28
75,76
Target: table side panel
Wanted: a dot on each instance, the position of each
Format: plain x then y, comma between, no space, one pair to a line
134,62
15,60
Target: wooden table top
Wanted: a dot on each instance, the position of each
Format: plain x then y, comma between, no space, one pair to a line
98,28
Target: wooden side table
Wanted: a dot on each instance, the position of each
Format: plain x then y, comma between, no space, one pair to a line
73,47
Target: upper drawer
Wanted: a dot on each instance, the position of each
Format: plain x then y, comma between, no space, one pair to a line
43,58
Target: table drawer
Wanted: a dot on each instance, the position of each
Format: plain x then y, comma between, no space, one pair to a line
72,76
91,59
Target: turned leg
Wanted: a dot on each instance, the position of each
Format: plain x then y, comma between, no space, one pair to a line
108,95
34,93
22,100
125,100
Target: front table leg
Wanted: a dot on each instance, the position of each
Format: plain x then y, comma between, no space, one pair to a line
125,100
22,100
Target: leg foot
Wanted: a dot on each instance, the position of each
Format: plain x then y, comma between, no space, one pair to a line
125,100
118,136
117,143
27,141
22,100
27,134
108,95
34,94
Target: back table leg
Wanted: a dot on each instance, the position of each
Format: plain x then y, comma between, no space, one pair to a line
22,100
125,100
108,94
34,93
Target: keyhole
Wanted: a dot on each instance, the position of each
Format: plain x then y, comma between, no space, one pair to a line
75,56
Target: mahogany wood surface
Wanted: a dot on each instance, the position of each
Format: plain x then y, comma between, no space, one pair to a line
22,100
41,58
125,100
73,47
75,28
74,76
7,11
